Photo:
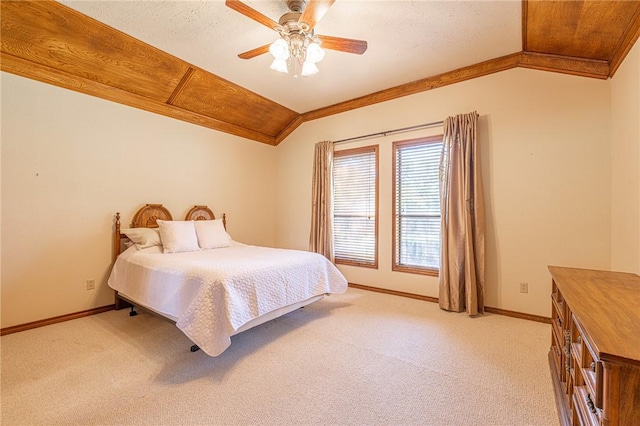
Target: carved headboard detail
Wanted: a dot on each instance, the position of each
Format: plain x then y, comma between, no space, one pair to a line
204,213
146,217
200,213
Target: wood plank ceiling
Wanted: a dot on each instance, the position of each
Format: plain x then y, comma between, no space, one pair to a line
49,42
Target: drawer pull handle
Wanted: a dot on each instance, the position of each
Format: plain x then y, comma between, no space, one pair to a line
593,366
579,339
590,404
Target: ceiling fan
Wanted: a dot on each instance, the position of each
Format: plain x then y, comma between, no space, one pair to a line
298,48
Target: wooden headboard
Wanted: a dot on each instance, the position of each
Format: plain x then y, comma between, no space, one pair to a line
146,217
204,213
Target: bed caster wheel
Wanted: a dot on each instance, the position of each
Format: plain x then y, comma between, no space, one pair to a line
132,313
195,348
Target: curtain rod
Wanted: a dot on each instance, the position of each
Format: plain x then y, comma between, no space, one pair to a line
387,132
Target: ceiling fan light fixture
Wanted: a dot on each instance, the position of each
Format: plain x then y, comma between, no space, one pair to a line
297,54
280,65
309,68
314,53
298,47
279,49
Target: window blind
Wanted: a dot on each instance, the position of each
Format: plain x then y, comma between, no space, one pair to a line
355,206
417,205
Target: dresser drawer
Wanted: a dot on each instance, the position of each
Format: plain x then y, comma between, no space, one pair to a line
584,409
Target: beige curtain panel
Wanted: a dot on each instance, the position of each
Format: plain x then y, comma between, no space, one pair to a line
321,238
462,262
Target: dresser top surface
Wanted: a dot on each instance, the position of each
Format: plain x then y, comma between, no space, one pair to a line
607,304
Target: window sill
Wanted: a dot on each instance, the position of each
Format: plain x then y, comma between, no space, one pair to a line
414,270
352,263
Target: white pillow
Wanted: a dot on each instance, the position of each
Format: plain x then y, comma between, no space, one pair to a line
178,236
143,237
211,234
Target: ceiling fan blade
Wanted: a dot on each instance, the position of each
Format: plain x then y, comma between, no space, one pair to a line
249,12
255,52
314,11
343,44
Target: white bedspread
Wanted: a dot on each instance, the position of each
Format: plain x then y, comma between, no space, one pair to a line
212,293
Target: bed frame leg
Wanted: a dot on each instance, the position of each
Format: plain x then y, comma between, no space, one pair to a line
195,348
133,312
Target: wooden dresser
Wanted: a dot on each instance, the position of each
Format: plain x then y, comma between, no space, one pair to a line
595,346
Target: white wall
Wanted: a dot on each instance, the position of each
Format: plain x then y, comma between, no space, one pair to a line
625,165
546,169
70,161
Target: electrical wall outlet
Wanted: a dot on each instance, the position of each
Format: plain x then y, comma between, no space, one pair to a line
524,287
91,284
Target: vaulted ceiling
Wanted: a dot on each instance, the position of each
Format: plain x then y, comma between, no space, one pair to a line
179,58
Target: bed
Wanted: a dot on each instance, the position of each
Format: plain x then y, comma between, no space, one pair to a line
219,290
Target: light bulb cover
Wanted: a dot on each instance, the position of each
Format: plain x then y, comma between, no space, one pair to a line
309,68
314,53
280,65
280,49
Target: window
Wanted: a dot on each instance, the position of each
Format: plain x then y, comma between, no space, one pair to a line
355,206
416,205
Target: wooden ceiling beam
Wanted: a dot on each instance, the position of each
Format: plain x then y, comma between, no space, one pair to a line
58,37
579,29
631,36
553,63
184,80
42,73
565,65
461,74
295,123
525,8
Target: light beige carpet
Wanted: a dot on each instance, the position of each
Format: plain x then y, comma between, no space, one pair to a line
358,358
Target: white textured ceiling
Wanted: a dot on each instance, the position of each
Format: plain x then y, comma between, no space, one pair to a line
408,41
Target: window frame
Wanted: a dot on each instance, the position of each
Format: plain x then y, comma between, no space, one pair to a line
395,266
355,151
